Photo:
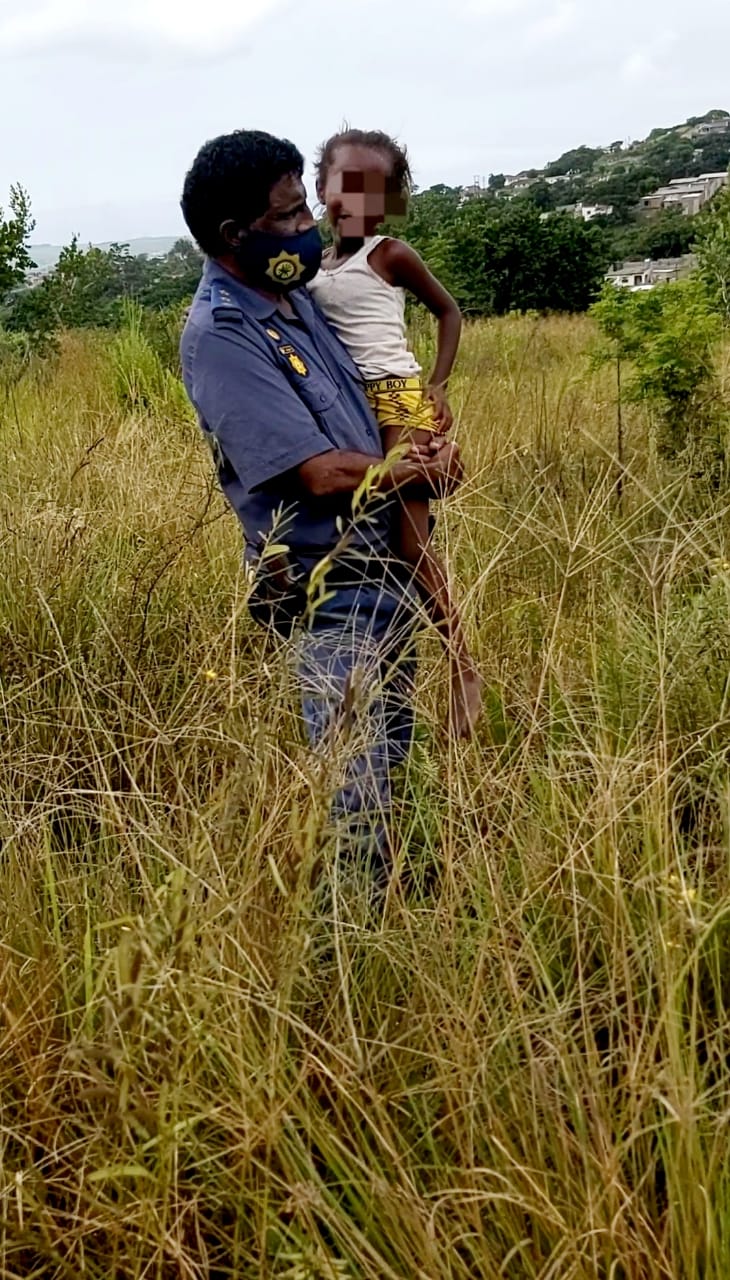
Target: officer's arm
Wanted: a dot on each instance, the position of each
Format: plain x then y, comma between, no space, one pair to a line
342,471
265,431
262,428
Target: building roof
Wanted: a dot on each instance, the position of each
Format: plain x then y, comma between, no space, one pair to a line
685,263
678,192
630,268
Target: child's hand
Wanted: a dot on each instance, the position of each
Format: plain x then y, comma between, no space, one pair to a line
443,418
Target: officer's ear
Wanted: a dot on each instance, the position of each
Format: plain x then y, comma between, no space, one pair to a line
231,233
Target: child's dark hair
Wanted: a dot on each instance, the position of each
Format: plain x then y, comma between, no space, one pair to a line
401,171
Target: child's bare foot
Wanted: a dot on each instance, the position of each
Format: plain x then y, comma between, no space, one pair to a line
466,702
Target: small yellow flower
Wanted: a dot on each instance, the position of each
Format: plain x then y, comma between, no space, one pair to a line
210,674
691,895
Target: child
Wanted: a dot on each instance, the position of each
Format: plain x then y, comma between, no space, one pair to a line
362,178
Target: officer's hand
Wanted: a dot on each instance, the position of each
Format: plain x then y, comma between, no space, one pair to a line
443,468
427,451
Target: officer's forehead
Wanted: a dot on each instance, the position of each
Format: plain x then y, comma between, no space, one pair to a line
286,192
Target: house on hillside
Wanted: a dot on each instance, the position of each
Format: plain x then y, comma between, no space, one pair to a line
587,212
688,195
520,182
631,275
641,276
590,211
712,128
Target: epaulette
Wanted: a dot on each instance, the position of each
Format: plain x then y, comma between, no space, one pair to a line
224,308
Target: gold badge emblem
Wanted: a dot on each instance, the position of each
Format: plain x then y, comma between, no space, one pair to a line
286,268
295,360
298,364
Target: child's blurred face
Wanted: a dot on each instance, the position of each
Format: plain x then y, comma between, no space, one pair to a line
359,192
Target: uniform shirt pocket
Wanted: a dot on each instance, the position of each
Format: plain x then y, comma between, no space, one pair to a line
317,392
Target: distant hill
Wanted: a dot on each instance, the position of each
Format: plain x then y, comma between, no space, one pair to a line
47,255
619,175
643,197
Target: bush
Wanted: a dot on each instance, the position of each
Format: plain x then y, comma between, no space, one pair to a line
141,379
669,336
713,251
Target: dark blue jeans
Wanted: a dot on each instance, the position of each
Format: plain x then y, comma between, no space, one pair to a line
355,665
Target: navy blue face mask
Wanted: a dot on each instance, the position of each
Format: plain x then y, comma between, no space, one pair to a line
279,263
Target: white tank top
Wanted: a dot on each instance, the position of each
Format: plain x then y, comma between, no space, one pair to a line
367,314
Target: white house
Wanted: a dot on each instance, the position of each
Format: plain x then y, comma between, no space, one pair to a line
641,276
590,211
519,182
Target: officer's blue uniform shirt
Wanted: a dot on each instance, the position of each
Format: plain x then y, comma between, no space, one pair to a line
271,393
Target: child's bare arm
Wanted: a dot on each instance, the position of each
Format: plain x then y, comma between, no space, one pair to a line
402,267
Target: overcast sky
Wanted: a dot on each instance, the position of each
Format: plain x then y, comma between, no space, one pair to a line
103,105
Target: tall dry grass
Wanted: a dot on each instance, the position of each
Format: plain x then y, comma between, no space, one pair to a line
517,1065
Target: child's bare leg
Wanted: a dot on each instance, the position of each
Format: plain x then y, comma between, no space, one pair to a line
466,683
416,549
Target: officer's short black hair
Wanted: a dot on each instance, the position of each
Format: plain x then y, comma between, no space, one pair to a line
232,177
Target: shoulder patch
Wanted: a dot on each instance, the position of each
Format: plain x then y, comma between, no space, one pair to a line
222,303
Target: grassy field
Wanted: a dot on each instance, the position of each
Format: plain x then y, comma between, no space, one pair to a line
519,1067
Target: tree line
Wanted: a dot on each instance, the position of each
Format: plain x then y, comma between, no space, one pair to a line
494,254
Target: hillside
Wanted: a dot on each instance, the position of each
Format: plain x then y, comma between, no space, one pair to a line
621,172
641,197
47,255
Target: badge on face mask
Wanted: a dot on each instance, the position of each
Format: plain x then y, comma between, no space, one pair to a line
286,262
286,269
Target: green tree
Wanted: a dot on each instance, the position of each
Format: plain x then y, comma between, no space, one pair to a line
456,253
578,160
173,278
668,335
15,231
717,113
670,155
543,196
496,256
713,250
540,264
88,287
713,155
668,235
430,214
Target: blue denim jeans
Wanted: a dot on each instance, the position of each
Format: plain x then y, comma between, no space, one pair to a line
355,666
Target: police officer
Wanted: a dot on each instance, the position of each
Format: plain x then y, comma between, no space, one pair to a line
282,406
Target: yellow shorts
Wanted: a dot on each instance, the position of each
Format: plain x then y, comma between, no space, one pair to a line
401,403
